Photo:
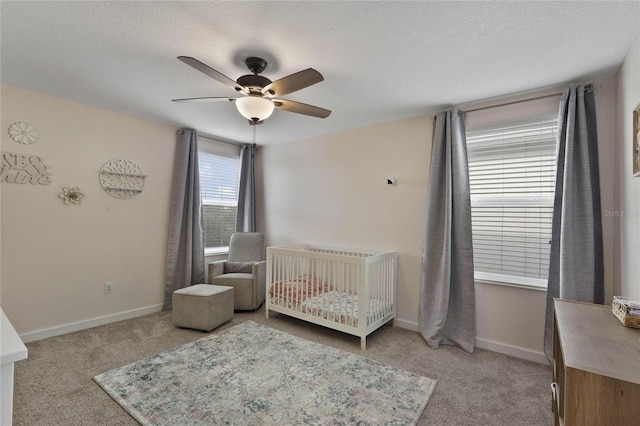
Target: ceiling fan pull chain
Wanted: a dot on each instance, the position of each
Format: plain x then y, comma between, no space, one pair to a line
254,134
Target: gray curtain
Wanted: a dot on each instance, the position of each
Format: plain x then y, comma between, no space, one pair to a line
185,248
447,297
576,266
246,218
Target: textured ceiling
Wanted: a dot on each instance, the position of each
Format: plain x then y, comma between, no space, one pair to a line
381,61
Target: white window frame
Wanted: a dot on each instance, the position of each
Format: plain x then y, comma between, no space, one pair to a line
505,279
221,149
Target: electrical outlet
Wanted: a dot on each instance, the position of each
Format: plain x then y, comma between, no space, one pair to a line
108,287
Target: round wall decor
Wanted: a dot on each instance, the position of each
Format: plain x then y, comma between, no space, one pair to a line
122,178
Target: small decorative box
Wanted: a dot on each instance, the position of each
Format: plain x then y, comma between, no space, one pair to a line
627,311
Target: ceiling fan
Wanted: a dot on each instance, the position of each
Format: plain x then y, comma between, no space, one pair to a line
261,95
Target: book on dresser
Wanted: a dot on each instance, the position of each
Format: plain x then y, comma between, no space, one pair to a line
596,367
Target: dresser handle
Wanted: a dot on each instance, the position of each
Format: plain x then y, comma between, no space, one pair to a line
555,397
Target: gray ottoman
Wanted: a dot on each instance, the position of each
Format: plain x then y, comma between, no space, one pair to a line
202,306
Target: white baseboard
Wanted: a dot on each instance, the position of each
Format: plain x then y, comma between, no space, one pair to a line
409,325
33,336
491,345
512,350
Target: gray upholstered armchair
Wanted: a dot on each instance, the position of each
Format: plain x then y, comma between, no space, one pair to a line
244,270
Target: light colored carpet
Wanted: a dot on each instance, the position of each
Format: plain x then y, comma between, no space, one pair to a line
255,375
55,385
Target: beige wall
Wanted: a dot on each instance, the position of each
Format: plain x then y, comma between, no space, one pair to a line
332,190
628,222
606,98
56,257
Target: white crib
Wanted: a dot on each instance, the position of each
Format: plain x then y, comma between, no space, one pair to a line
332,286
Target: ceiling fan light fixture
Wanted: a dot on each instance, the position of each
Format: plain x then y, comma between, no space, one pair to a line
258,103
254,108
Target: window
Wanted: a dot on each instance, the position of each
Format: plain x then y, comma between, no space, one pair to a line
512,180
219,174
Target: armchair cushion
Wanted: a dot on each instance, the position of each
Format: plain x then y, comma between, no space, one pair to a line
244,289
242,267
246,246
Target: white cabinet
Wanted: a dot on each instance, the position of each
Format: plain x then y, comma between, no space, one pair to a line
11,350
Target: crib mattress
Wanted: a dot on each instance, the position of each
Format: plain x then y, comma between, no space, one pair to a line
337,306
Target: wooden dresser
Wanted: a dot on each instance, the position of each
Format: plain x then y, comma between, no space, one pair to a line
596,367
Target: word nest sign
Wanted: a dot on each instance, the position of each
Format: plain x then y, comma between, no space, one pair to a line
21,168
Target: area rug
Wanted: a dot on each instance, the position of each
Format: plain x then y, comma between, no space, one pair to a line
255,375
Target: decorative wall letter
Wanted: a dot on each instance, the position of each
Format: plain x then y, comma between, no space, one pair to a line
122,178
20,168
24,133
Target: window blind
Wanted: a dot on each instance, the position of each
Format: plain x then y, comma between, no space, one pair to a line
219,191
512,180
218,178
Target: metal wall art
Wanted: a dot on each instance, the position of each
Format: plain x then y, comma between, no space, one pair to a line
122,178
71,194
23,133
21,168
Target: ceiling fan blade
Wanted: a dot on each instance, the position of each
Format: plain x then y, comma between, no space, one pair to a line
205,99
300,108
216,75
293,82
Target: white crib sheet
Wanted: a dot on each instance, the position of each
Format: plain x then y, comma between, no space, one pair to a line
342,307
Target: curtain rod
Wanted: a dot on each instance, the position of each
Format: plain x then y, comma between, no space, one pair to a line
215,138
513,102
589,89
